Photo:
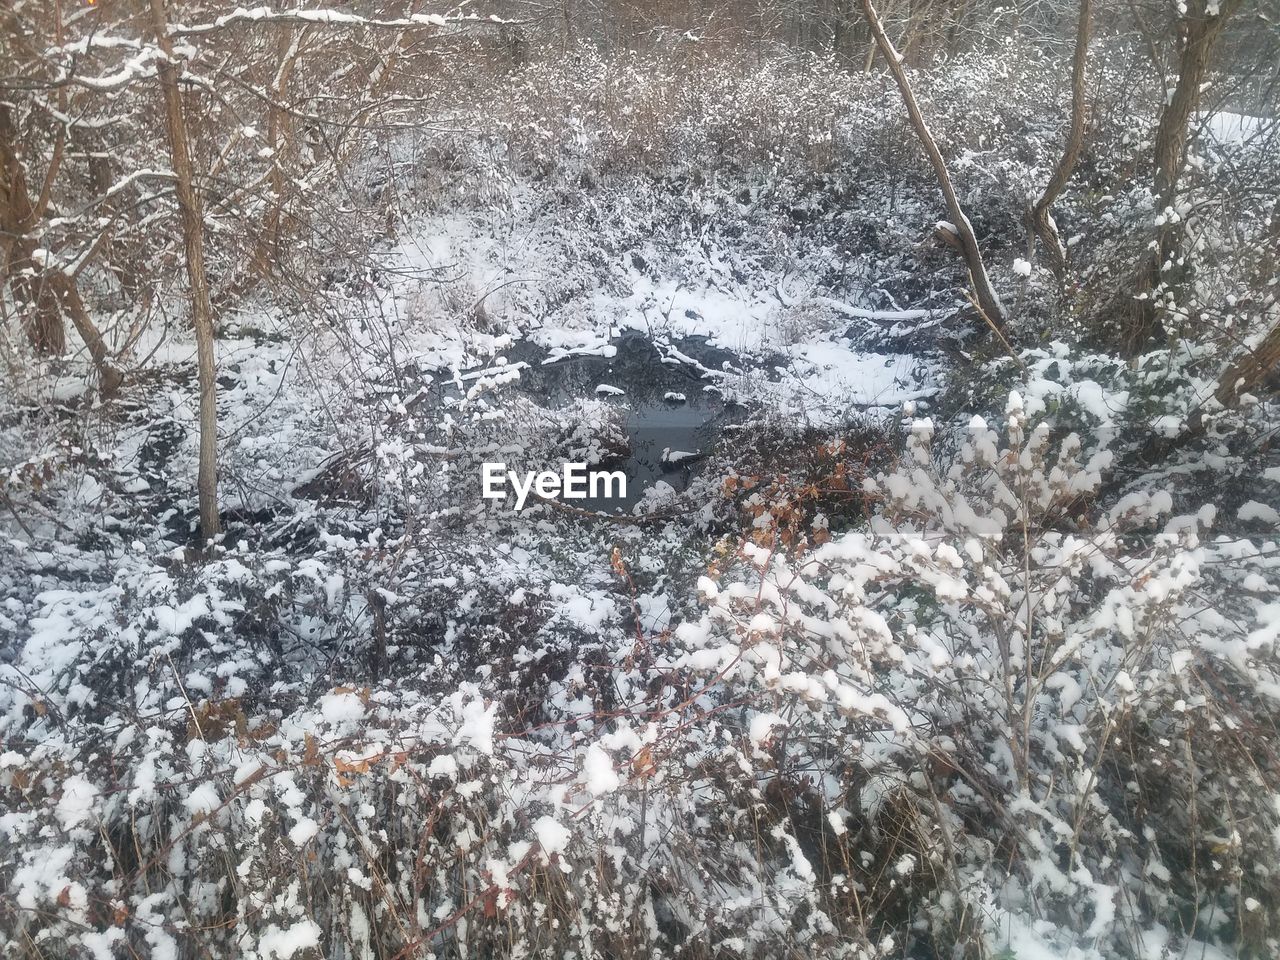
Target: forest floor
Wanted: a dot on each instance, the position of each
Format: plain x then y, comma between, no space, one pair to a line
464,713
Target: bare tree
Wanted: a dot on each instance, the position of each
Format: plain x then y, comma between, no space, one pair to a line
47,289
190,206
18,213
985,294
288,44
1042,224
1199,29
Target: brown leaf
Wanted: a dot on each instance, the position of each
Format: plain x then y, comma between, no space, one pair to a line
643,765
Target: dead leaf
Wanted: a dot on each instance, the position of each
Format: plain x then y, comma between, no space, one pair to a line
643,765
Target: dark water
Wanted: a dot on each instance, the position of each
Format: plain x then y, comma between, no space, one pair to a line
672,410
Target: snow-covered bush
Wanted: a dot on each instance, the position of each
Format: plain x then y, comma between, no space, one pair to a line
1052,690
993,700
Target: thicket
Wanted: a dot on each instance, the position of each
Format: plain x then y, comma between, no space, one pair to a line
995,680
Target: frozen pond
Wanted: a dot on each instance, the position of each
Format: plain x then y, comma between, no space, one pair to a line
670,406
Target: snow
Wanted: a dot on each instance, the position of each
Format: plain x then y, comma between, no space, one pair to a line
762,725
341,708
1027,939
870,601
553,837
138,67
477,726
40,879
865,313
203,798
283,943
173,621
1227,127
734,317
443,766
317,16
1261,512
598,772
589,610
302,831
78,801
835,378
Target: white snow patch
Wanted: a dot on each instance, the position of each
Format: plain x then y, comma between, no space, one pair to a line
77,801
303,830
762,725
598,769
1253,510
552,835
203,799
443,766
342,707
287,942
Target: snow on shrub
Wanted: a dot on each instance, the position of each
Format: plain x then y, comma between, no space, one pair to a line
1051,689
993,699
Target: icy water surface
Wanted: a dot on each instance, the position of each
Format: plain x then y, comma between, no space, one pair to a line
672,411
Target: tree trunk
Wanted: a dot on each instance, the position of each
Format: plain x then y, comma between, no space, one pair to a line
955,31
986,296
48,293
911,39
873,46
1041,218
110,379
267,249
1200,32
126,264
43,323
844,37
1248,372
189,204
1245,375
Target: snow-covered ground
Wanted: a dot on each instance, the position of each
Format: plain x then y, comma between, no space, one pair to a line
875,678
528,269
